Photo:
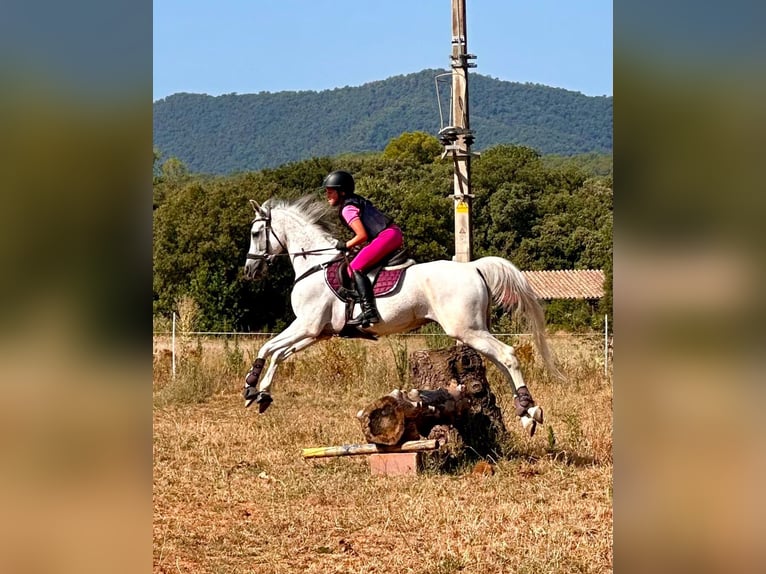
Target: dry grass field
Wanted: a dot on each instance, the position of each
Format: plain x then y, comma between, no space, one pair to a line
232,493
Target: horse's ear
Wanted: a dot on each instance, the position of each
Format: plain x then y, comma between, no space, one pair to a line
256,206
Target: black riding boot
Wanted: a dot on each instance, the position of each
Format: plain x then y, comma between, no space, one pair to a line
369,312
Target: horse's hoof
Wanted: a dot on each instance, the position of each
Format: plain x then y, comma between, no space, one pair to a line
529,424
536,413
253,395
250,393
263,400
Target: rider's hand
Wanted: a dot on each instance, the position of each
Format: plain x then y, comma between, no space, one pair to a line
341,246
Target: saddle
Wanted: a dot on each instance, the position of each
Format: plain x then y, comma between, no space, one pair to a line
386,278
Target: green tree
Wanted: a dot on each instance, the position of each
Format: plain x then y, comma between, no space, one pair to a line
507,182
156,171
174,170
418,147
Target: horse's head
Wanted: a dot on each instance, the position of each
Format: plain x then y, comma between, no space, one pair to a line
264,243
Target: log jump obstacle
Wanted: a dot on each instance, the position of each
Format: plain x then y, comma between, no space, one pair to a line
452,403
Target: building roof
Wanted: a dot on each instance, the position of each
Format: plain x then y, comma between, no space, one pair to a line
567,284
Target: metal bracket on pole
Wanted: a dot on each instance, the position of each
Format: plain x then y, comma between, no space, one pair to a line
456,152
461,61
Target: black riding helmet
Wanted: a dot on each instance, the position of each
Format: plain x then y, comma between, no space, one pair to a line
340,180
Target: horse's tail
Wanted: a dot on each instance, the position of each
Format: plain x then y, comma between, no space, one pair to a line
511,290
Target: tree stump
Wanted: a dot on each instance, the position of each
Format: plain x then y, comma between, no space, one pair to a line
451,401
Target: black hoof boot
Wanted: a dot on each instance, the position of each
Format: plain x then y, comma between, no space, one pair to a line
522,401
251,379
530,414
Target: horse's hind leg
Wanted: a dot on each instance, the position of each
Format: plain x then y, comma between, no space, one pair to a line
504,358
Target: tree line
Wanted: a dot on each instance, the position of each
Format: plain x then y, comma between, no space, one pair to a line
542,213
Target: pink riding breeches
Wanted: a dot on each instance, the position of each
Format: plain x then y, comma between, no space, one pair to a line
387,241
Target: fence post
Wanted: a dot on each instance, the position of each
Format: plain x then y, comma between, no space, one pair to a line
173,339
606,345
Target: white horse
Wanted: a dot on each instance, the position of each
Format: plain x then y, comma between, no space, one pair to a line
455,295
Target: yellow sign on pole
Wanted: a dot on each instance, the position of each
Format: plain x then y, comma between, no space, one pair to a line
461,207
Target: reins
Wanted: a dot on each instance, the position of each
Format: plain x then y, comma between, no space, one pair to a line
318,267
303,252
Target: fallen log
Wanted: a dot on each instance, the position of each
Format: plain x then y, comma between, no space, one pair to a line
396,417
359,449
450,393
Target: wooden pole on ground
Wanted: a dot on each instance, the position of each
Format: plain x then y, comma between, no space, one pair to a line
359,449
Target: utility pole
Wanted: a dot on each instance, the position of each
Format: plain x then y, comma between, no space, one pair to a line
458,137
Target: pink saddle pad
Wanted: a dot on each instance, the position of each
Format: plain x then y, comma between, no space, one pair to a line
386,282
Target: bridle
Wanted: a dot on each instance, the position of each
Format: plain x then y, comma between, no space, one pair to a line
269,257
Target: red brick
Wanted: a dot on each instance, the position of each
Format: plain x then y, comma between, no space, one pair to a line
394,464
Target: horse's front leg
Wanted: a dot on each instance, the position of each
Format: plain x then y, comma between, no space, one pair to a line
277,357
288,342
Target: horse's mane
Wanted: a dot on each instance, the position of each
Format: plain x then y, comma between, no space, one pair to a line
308,209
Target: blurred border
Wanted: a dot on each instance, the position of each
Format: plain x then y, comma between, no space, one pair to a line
75,249
76,255
689,204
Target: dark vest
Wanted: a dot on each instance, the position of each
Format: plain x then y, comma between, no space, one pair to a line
374,221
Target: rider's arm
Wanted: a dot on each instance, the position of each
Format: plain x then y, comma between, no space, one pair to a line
360,237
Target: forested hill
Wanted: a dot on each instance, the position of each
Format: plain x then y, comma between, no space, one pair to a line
247,132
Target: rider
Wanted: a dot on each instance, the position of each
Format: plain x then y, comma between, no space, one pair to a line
372,229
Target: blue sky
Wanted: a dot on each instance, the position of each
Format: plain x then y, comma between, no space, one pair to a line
249,46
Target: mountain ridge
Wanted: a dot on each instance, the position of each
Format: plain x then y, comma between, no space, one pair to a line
248,132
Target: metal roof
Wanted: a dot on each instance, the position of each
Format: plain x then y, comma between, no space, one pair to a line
567,284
